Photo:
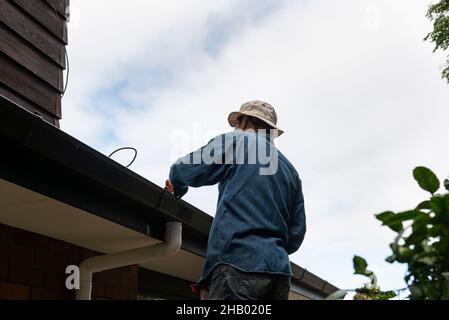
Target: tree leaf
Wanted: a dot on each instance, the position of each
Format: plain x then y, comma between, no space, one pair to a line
360,265
416,237
426,179
427,258
391,258
402,216
446,202
427,290
435,232
430,261
337,295
384,215
416,293
389,216
446,184
386,295
424,205
420,224
404,254
437,204
420,231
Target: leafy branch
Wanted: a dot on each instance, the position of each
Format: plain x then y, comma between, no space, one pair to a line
425,249
370,291
439,14
421,242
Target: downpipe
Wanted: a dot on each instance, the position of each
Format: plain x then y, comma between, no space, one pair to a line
172,244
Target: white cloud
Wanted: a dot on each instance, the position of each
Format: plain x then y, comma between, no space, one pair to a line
356,89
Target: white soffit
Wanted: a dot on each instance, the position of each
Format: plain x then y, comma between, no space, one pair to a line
27,210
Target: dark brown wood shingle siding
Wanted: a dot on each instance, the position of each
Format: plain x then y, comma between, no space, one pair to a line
45,15
23,53
28,104
33,36
34,33
20,80
60,6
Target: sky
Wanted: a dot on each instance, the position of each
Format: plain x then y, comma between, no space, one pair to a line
357,91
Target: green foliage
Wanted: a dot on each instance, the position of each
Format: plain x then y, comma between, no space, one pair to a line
360,266
395,220
439,14
370,291
424,244
421,242
426,179
388,220
373,294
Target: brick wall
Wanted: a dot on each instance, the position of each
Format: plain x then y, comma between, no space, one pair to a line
33,267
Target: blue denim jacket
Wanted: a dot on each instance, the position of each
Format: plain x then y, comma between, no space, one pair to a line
260,216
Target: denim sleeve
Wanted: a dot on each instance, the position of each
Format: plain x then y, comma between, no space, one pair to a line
203,167
297,227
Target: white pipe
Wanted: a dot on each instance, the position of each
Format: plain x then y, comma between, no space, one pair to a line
172,244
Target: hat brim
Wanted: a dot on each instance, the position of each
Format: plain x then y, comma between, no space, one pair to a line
233,117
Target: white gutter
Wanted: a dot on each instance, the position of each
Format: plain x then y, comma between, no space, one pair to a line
172,244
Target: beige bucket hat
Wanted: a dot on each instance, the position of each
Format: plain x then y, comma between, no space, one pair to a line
260,110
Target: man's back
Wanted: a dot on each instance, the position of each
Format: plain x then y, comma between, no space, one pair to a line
260,217
260,213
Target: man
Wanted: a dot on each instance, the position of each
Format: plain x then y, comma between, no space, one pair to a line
260,217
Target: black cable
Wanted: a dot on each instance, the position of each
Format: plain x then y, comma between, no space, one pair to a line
67,71
126,148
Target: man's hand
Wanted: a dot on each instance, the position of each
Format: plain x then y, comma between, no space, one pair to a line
169,187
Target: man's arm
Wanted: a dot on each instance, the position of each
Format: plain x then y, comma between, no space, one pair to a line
297,227
202,167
